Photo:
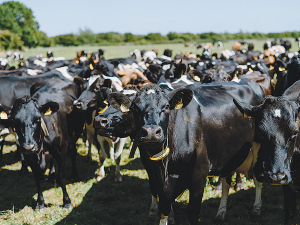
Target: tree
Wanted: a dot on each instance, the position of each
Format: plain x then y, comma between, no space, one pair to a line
9,40
19,20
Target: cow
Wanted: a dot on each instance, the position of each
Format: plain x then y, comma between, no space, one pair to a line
179,142
90,102
277,131
48,128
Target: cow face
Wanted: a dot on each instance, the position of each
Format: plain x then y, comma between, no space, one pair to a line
277,132
94,96
27,118
151,109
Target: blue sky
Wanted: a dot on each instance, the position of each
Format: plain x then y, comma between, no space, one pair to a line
57,17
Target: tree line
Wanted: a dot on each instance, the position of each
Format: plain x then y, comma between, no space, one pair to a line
19,29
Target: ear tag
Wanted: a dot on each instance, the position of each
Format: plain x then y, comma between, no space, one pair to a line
255,57
48,112
251,70
134,56
147,64
124,108
105,102
91,66
191,68
196,78
3,116
22,64
271,67
281,69
246,116
103,109
198,58
214,57
179,105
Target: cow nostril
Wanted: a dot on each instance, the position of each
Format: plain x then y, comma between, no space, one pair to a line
79,105
158,132
103,122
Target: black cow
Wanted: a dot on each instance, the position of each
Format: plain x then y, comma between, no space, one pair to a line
179,148
47,127
277,130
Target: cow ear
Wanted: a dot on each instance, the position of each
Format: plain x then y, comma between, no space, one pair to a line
107,83
5,112
34,88
49,108
247,110
180,98
120,102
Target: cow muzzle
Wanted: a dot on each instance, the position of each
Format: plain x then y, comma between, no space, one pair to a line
101,122
29,148
278,178
78,105
152,134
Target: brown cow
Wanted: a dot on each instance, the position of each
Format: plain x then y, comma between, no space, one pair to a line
130,76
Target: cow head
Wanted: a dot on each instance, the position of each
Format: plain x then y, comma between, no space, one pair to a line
151,108
277,131
112,122
93,97
27,117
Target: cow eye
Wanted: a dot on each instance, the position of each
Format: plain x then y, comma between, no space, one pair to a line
96,89
38,120
167,107
296,132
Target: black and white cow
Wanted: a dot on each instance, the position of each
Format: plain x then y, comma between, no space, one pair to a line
182,140
277,131
48,127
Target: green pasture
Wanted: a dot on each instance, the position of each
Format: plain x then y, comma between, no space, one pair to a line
128,202
123,50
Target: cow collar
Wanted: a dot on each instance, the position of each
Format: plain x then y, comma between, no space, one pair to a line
162,154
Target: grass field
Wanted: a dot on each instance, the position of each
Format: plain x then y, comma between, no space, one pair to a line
126,203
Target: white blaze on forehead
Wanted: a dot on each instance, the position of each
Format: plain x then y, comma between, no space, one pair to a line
166,67
151,91
277,113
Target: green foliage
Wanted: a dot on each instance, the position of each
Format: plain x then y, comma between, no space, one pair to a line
19,20
9,40
68,40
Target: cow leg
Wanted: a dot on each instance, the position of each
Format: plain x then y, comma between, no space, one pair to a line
39,181
290,202
223,203
51,176
257,202
239,182
90,138
154,206
102,157
118,153
165,209
195,199
73,154
112,150
61,179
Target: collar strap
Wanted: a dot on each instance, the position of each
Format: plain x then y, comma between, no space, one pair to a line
103,109
161,155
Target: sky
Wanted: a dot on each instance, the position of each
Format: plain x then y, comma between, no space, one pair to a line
57,17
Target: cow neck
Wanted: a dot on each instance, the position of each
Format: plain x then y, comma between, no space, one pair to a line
163,153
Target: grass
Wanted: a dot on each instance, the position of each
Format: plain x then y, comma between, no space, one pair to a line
123,50
125,203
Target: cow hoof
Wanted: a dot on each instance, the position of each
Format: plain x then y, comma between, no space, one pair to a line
68,206
171,220
40,208
256,212
220,217
118,179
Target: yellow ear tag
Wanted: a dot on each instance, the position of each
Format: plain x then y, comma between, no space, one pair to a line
196,78
3,115
246,116
124,108
255,57
22,64
103,109
271,67
198,58
251,70
48,112
179,105
191,68
91,66
134,56
147,64
281,69
214,57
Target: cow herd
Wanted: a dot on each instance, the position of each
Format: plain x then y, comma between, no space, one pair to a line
191,116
